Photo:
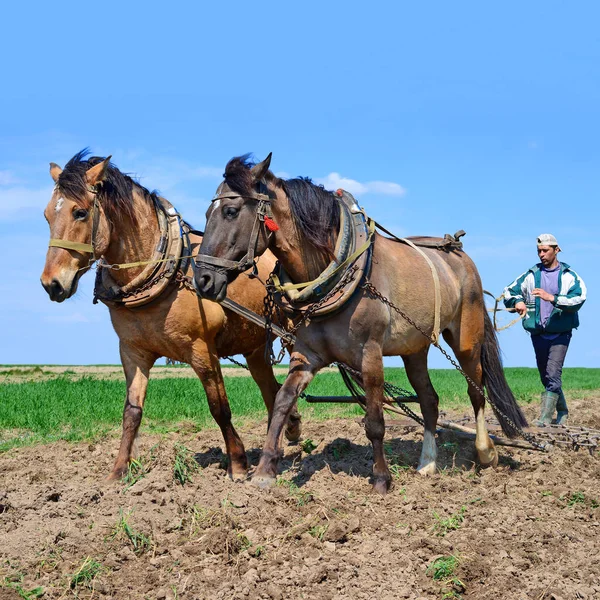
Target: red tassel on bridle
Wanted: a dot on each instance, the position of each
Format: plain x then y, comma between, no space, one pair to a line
270,224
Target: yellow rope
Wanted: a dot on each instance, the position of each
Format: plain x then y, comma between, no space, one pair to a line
496,309
67,245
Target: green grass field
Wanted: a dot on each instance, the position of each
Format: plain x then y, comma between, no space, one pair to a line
75,409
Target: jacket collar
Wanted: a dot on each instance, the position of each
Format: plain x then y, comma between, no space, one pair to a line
563,267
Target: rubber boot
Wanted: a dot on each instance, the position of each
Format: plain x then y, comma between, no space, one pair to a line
562,412
549,400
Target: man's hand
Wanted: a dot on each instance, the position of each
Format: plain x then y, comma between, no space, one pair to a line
521,308
543,294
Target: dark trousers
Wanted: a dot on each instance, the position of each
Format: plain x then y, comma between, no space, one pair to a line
550,357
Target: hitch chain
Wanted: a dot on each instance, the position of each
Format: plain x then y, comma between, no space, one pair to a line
271,306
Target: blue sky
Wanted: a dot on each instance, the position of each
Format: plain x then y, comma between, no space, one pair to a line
445,116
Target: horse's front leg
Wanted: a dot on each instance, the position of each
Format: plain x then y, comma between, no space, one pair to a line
373,380
136,365
301,373
206,364
262,373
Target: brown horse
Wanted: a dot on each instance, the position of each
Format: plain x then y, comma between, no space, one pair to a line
97,212
365,329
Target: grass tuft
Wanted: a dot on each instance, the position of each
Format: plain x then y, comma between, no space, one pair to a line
140,542
451,523
300,496
184,465
86,574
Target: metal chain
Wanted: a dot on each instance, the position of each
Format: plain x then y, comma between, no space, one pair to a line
393,391
375,293
271,305
236,362
138,290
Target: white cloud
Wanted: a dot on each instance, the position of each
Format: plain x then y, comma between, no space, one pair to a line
17,200
333,181
7,178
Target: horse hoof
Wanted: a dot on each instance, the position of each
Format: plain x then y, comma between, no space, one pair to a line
263,481
238,476
293,431
117,474
488,458
293,434
428,469
382,486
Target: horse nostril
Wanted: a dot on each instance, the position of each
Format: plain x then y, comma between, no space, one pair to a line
205,282
55,289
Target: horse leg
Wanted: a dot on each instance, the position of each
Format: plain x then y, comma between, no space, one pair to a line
299,376
416,371
262,373
469,357
206,365
373,380
136,365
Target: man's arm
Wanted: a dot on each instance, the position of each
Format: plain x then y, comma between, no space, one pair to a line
576,294
513,293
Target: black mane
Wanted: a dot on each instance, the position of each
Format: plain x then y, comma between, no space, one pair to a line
315,210
115,193
238,175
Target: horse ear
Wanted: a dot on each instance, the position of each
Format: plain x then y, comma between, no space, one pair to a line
97,173
55,171
260,170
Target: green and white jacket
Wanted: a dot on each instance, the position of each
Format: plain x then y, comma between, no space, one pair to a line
570,298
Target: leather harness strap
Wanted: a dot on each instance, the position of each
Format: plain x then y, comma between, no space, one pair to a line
80,246
437,298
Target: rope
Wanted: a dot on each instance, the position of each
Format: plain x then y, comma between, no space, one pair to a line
497,309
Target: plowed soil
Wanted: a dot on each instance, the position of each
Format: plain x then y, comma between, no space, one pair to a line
529,529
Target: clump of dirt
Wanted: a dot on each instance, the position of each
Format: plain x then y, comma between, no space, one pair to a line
528,529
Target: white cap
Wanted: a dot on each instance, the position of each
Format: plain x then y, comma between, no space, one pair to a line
547,239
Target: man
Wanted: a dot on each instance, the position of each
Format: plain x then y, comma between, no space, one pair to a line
548,296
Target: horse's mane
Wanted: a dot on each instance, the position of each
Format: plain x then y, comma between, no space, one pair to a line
115,193
315,210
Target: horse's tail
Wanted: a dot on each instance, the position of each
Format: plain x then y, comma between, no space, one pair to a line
501,397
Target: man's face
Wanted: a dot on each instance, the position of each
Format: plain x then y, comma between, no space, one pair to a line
547,254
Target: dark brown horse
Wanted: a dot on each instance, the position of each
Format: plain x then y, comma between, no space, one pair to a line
97,212
365,329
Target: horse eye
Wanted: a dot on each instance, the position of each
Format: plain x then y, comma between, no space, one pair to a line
80,214
230,212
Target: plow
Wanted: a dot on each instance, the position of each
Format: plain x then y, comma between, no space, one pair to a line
541,439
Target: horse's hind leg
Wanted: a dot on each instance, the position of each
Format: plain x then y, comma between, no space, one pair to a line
136,365
262,373
206,365
416,371
468,353
373,380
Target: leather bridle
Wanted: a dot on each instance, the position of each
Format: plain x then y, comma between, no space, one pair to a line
223,265
89,248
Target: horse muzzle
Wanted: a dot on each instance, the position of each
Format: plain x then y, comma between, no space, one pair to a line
59,291
210,285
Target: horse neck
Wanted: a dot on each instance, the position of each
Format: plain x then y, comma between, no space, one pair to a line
133,241
297,256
